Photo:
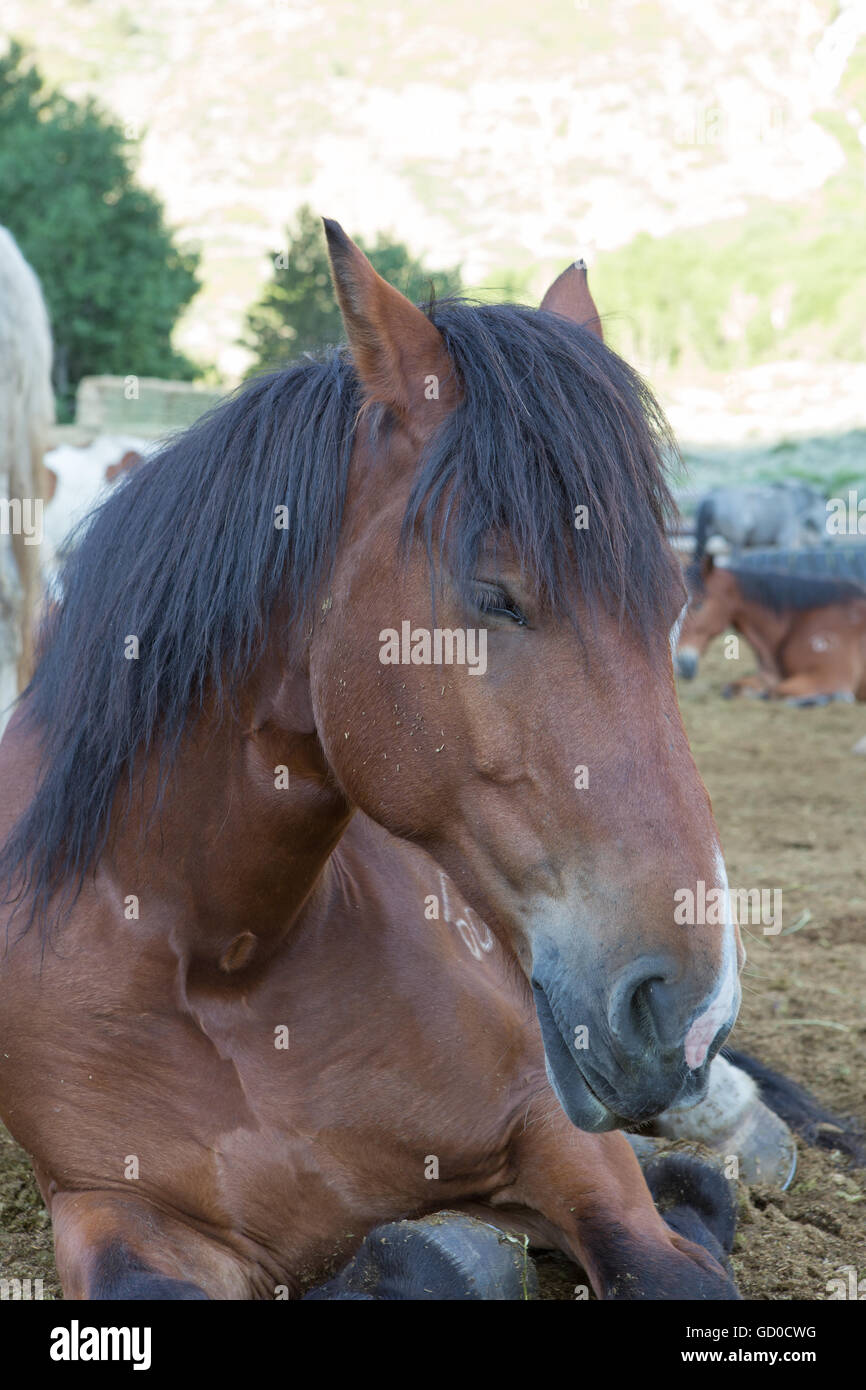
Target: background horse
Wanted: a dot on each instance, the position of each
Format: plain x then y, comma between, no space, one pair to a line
300,941
783,514
807,631
26,412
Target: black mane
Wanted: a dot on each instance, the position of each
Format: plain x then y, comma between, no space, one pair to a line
185,554
787,593
783,590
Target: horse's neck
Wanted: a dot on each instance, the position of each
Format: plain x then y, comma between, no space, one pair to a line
250,823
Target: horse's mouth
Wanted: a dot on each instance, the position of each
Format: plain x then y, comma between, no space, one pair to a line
581,1103
587,1096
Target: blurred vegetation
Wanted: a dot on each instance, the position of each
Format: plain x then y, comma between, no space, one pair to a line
783,281
298,312
833,462
113,278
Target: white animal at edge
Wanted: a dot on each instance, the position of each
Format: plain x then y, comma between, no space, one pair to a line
26,414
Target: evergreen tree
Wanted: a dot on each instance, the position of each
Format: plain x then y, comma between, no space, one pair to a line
112,276
297,311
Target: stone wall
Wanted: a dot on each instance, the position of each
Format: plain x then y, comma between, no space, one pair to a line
142,406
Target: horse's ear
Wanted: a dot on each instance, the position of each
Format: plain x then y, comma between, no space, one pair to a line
569,296
708,564
399,354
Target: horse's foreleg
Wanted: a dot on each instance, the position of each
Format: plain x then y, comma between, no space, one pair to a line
816,688
759,686
110,1246
588,1194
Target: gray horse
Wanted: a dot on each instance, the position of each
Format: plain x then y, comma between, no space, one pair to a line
784,514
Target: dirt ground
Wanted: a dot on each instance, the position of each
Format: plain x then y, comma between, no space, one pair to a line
789,797
790,800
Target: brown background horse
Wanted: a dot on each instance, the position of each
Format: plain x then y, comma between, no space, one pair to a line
808,632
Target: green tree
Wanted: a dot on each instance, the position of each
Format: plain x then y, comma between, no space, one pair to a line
113,278
297,311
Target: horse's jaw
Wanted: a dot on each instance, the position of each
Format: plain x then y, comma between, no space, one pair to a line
571,1088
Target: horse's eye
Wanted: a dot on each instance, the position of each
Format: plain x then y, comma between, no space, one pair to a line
493,599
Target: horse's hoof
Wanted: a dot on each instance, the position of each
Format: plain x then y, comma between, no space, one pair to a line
802,1112
734,1122
699,1204
689,1187
695,1198
844,697
448,1256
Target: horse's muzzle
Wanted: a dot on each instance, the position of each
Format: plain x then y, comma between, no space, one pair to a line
626,1065
687,663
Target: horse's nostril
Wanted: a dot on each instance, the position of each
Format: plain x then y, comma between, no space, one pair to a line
641,1010
641,1013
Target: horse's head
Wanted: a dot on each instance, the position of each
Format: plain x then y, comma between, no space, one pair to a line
491,673
712,600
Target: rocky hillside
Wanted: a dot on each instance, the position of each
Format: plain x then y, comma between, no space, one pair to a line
503,136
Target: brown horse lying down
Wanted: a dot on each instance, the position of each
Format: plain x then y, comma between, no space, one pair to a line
807,631
250,1007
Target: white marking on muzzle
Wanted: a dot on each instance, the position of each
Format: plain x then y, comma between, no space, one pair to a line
705,1027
